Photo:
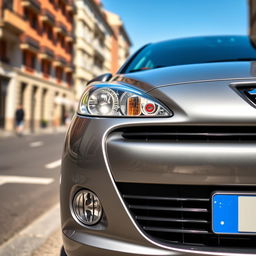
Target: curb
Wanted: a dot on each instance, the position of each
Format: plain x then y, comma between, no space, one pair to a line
33,236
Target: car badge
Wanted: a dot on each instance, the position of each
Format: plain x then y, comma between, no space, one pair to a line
252,92
248,93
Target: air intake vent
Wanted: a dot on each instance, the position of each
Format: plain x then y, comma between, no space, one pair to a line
177,214
191,133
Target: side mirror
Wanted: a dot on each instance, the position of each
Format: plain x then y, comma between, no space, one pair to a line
102,78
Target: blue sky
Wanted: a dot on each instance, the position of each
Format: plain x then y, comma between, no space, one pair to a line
155,20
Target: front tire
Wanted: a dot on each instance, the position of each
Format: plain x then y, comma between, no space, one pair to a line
62,252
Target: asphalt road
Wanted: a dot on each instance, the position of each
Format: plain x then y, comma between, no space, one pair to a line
29,179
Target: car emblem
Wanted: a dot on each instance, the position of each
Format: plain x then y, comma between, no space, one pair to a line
252,92
248,93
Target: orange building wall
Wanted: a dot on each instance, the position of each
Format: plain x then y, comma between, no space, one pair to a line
16,18
42,37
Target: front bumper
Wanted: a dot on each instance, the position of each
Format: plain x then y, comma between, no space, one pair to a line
97,162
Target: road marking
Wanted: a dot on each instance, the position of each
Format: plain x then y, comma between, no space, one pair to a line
25,180
53,164
36,144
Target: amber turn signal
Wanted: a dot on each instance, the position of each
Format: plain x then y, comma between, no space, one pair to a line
134,106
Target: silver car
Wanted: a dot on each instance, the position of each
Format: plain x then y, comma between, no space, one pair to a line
160,158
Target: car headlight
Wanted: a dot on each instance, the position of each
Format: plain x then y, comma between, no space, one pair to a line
115,100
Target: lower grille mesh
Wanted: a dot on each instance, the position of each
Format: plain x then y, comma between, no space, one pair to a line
180,214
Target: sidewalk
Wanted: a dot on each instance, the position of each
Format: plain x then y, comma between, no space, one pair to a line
50,130
42,234
51,247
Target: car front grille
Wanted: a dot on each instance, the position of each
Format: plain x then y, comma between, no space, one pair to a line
190,133
180,214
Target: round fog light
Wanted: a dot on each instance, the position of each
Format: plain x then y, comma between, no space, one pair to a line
87,207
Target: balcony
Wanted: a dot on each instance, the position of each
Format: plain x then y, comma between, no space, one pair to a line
60,28
28,43
11,25
46,53
47,17
59,61
31,4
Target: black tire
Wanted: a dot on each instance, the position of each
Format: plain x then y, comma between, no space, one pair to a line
62,252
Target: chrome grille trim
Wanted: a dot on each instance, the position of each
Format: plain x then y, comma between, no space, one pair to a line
178,221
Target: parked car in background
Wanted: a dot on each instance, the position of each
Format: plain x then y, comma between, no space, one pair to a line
160,158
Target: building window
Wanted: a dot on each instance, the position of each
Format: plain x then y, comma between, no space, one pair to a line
26,14
7,4
69,79
29,61
59,74
62,7
50,33
3,51
46,68
102,41
98,62
32,18
34,22
70,17
69,48
61,40
48,30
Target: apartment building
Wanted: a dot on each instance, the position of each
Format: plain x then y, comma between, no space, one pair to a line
92,54
36,61
120,43
49,50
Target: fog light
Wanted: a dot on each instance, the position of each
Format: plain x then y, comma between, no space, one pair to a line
87,207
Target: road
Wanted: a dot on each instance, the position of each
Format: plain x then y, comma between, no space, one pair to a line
29,179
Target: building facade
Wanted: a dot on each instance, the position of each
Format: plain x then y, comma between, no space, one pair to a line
92,54
120,43
36,61
49,50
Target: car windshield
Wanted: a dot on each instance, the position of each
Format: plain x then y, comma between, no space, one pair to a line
192,51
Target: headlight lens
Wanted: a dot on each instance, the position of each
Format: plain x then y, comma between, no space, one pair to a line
114,100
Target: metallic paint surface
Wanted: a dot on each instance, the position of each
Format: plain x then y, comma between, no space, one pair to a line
94,158
185,74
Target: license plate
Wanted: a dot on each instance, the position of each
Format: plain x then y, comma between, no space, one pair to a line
234,213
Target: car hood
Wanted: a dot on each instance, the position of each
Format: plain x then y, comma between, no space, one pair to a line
151,79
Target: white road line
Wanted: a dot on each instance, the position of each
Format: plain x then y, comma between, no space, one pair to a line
36,144
25,180
53,164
